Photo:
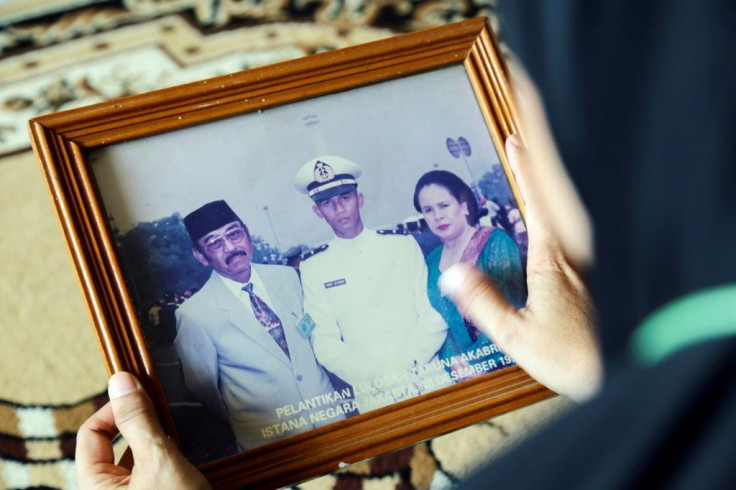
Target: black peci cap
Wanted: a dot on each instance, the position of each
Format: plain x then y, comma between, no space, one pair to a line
207,218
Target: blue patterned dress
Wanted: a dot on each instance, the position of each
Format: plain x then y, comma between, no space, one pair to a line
495,253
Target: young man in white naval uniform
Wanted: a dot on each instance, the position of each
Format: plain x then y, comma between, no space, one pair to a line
367,294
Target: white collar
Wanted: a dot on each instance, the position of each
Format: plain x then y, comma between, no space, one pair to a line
237,287
356,239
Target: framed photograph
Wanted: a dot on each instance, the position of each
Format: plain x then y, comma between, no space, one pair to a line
262,249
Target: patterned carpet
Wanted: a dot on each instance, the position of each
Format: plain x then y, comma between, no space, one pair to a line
60,54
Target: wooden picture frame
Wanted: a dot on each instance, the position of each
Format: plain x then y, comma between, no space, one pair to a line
71,144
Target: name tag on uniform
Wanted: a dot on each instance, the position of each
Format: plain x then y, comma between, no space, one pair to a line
306,326
336,282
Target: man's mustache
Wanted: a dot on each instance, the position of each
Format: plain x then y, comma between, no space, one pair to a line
233,255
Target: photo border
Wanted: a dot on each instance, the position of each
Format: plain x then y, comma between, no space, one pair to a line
61,141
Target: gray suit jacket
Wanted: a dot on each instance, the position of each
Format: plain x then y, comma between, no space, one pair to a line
233,366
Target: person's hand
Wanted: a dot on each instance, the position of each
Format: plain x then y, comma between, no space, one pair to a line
553,337
158,463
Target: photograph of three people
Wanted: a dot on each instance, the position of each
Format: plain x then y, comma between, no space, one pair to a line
284,263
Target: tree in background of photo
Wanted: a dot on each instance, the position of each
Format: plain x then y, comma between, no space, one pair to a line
157,258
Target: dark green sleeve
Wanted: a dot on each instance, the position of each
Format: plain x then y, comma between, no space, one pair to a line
500,259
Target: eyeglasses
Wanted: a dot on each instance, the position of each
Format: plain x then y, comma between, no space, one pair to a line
234,236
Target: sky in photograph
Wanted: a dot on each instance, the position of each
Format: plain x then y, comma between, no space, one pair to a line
395,130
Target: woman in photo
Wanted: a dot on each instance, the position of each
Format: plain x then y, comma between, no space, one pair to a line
450,209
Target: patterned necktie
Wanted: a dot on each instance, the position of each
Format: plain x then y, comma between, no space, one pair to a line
268,318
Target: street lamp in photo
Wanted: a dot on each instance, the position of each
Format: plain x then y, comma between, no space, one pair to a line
312,122
273,229
460,148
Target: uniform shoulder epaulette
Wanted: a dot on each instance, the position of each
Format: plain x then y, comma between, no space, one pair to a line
393,231
314,251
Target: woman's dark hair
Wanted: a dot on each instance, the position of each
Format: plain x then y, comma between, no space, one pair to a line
455,186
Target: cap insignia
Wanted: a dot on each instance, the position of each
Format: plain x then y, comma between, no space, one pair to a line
323,172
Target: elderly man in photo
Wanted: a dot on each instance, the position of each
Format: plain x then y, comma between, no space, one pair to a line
367,294
243,340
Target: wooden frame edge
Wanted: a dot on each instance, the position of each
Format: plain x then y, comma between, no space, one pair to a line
68,135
